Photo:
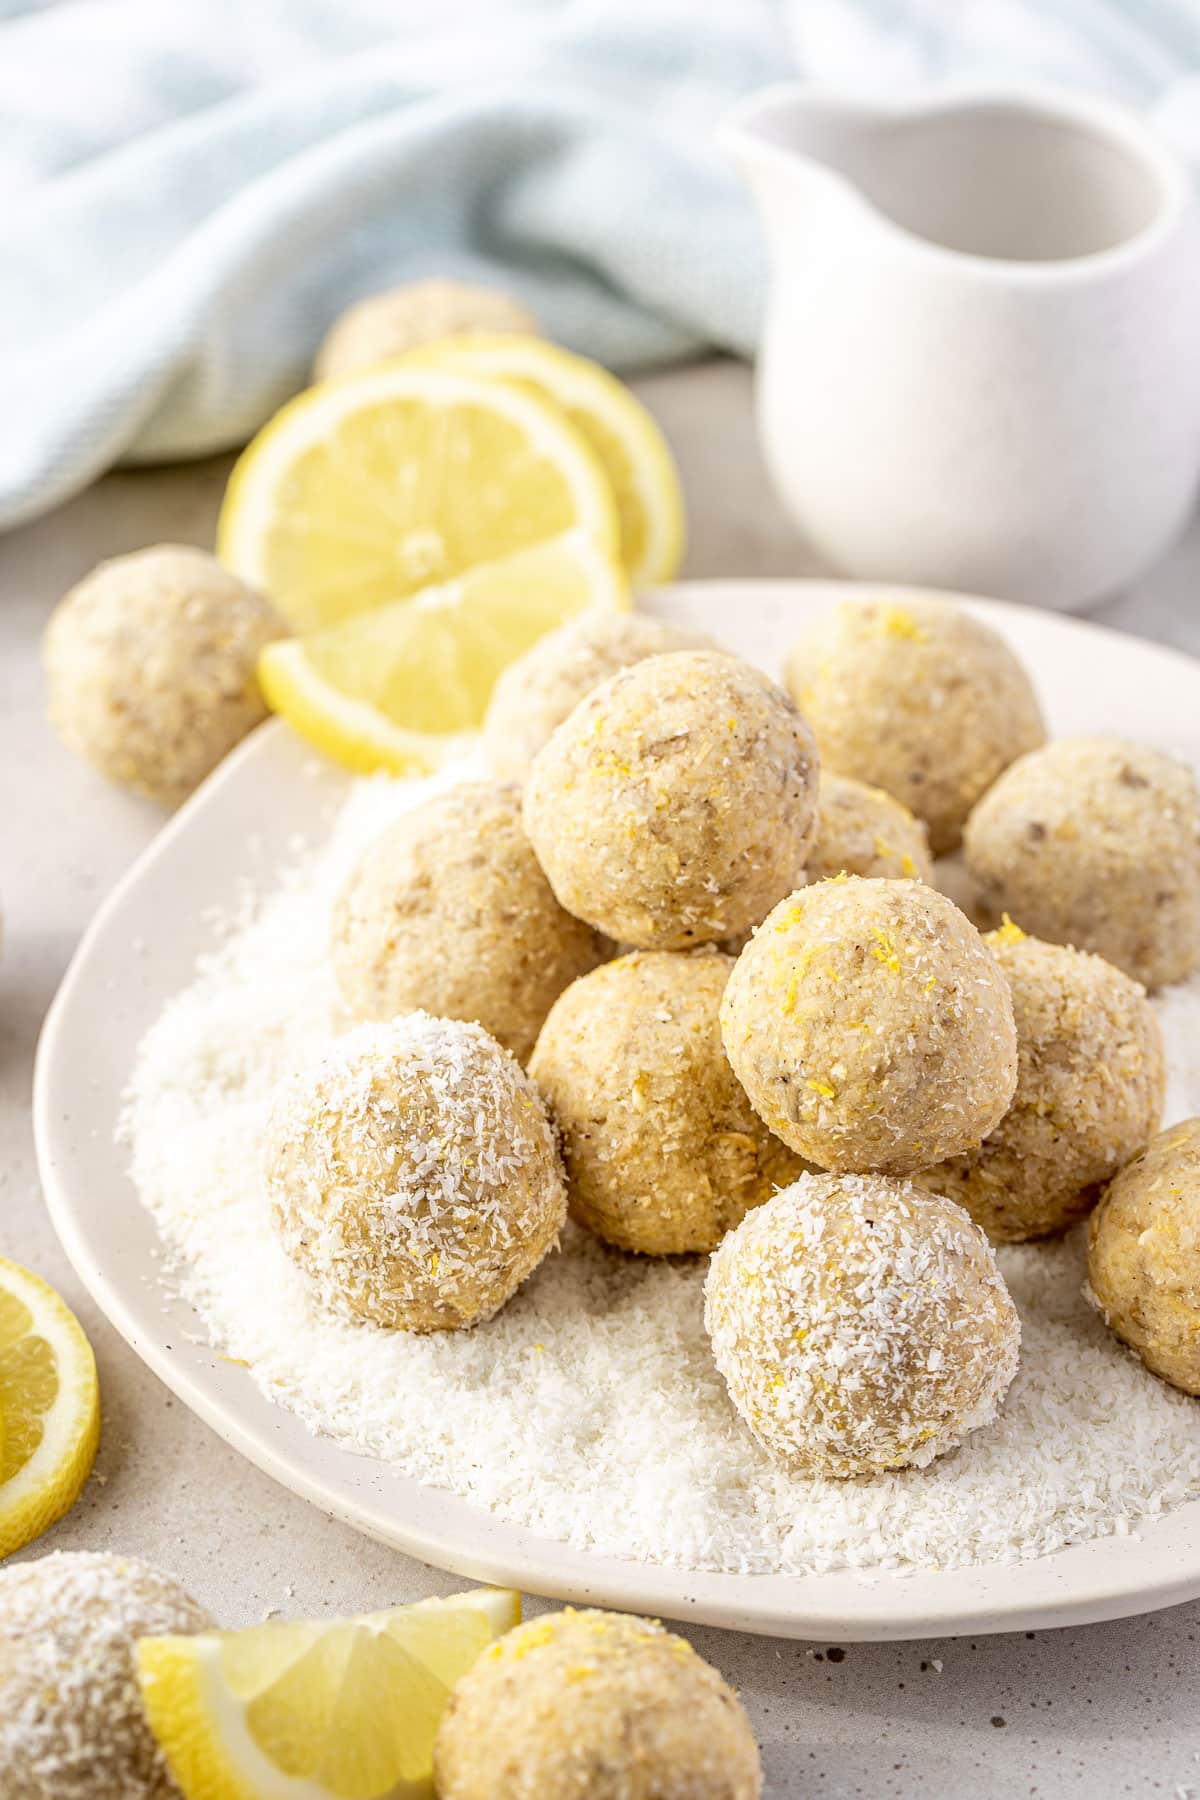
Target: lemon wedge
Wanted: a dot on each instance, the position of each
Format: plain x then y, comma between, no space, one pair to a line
50,1402
624,436
399,687
366,488
345,1709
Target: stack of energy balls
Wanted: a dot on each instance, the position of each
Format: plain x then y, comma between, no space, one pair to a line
699,909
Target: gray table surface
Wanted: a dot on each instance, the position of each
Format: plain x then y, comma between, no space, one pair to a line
1106,1710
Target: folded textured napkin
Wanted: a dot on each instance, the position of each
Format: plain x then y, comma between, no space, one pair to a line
193,190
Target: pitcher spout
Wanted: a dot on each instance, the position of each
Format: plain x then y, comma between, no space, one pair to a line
800,148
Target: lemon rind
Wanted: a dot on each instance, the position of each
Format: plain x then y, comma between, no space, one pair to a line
50,1483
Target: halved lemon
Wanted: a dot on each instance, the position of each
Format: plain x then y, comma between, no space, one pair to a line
345,1709
624,436
50,1401
369,487
397,688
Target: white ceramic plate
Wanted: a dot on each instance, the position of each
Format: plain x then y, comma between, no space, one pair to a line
141,949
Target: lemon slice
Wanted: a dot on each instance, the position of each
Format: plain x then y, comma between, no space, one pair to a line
345,1709
367,488
50,1401
622,433
399,687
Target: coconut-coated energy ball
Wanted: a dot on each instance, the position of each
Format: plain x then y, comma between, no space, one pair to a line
663,1150
72,1725
535,693
386,325
861,1325
150,667
413,1174
676,802
1095,842
863,831
449,911
916,697
871,1026
594,1706
1144,1256
1091,1081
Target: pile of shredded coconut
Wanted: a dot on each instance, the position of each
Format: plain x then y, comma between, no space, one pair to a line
590,1409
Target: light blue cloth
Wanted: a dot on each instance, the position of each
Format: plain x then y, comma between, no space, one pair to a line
193,189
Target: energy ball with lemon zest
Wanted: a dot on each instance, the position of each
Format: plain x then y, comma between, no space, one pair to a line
1144,1256
386,325
916,697
861,1325
594,1706
1095,842
863,831
537,692
150,667
1091,1081
413,1174
663,1151
72,1725
675,803
871,1026
449,911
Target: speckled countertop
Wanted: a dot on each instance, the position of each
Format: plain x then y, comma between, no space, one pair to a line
1107,1710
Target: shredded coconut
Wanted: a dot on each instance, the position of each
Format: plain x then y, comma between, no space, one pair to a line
590,1410
72,1725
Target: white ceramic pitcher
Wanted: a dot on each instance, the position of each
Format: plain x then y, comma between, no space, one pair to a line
981,359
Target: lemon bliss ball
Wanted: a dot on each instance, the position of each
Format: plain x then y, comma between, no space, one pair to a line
1096,842
863,831
594,1706
871,1026
536,692
663,1150
1091,1081
413,1174
676,802
919,698
861,1325
386,325
449,911
1144,1256
150,667
72,1725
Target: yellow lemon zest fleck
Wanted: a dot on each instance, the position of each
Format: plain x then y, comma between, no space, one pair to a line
823,1088
1006,932
895,622
884,949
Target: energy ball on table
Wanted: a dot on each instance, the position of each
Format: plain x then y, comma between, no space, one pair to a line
1144,1256
535,694
917,698
386,325
1095,842
871,1026
663,1150
863,831
449,911
677,801
594,1706
413,1174
72,1726
861,1325
150,665
1091,1081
